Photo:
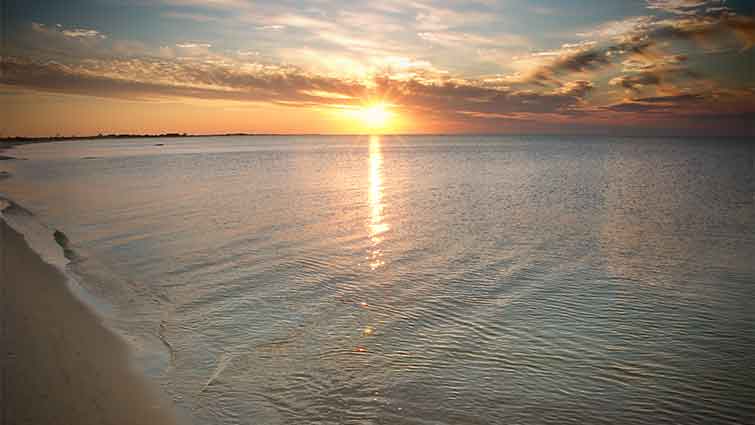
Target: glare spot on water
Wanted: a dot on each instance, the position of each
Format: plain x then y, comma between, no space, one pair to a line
377,226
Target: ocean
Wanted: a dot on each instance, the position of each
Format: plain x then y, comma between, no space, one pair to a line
416,279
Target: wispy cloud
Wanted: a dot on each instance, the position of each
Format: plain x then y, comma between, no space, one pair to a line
470,40
194,45
453,61
82,33
433,18
687,7
77,33
635,39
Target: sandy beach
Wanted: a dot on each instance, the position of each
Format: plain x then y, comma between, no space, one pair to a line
60,365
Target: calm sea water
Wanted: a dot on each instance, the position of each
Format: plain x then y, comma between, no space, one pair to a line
419,280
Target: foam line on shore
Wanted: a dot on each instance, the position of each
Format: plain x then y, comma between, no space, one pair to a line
61,364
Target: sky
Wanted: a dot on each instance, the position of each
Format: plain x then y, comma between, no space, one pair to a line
626,67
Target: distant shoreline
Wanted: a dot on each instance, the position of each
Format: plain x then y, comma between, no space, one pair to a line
9,142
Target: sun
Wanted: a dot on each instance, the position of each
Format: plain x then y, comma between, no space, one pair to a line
376,115
371,116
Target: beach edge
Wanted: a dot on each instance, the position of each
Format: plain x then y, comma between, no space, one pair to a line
60,363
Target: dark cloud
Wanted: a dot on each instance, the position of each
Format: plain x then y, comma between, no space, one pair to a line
743,28
140,79
590,58
663,70
714,112
672,100
451,100
632,107
670,103
145,80
642,41
702,28
669,62
634,82
687,7
451,97
582,61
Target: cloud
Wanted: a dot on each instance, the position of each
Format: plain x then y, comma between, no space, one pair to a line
702,29
433,18
661,62
638,38
672,100
155,79
636,82
640,74
57,42
704,112
689,104
451,100
143,79
580,61
470,40
403,51
744,29
343,31
618,28
584,57
301,21
670,105
246,53
456,96
74,33
686,7
326,95
193,45
82,33
578,89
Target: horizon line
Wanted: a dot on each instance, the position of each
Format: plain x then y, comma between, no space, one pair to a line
246,134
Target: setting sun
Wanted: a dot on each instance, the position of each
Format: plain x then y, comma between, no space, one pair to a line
376,116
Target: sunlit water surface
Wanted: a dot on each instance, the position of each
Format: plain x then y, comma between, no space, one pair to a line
419,280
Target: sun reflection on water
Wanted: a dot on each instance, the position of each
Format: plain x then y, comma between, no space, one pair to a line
377,226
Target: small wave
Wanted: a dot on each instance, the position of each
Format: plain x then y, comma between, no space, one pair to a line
38,235
164,340
223,361
55,248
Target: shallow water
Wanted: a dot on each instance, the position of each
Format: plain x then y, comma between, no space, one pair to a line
419,280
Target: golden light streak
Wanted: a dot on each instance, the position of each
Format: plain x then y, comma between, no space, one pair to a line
377,226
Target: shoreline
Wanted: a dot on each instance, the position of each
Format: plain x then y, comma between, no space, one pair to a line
60,363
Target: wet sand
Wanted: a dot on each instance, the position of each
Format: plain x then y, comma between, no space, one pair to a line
60,365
